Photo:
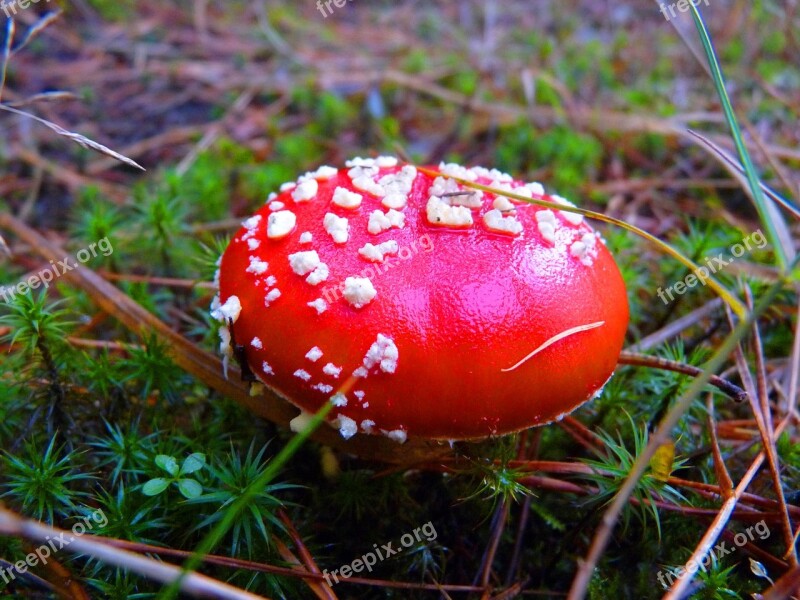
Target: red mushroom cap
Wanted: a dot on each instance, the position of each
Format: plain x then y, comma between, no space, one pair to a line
460,314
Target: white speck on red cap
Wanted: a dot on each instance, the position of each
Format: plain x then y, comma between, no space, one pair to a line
305,191
324,172
496,222
503,204
344,198
347,427
383,352
280,224
379,221
271,296
570,217
377,253
319,305
302,374
304,262
546,220
337,227
314,354
230,310
441,213
358,291
456,170
332,370
251,223
257,266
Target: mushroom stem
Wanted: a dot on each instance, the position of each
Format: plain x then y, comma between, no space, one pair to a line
655,362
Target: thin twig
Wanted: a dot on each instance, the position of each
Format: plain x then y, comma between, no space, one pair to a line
655,362
193,584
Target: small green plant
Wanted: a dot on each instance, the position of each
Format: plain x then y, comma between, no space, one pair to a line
612,469
43,483
125,450
188,487
39,329
501,482
152,371
231,477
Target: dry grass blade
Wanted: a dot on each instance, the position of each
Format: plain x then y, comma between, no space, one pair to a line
43,97
321,589
199,586
737,167
759,402
208,368
674,328
37,27
723,477
76,137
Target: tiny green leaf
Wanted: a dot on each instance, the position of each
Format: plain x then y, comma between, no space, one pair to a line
155,486
190,488
168,463
194,462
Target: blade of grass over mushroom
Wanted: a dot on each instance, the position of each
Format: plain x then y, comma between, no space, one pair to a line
214,537
741,148
729,298
661,435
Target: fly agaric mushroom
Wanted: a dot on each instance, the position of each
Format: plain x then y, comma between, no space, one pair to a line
452,313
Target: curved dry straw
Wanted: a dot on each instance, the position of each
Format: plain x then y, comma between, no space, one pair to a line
729,298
